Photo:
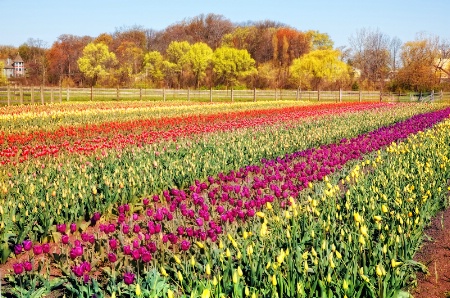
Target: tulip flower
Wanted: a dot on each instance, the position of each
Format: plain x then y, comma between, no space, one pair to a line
128,278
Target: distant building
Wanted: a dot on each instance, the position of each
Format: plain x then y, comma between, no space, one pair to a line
14,68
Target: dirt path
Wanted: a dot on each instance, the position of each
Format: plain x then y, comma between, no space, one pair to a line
435,254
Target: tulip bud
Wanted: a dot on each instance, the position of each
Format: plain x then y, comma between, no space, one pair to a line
274,280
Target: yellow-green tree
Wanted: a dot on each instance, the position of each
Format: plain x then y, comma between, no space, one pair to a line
96,61
153,64
317,67
198,58
231,64
175,64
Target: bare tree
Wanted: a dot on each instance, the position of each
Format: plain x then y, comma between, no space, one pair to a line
371,56
394,48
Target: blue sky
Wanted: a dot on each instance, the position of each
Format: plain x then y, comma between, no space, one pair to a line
47,19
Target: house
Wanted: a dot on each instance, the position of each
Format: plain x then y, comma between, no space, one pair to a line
14,68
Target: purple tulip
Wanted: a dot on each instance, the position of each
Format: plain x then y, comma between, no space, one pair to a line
65,239
37,250
96,217
86,278
128,278
136,228
112,257
125,228
18,249
46,248
113,243
199,221
78,271
145,201
152,247
185,245
86,266
127,250
18,268
135,216
73,227
136,254
136,243
27,266
61,228
27,245
146,257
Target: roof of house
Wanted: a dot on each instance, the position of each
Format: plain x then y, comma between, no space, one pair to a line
7,64
18,58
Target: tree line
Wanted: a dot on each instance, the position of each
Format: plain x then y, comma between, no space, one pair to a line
209,51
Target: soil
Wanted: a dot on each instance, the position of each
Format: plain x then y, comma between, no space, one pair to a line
435,254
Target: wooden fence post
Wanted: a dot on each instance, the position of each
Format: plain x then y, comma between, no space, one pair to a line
60,94
276,94
140,93
360,96
210,94
232,95
189,94
164,94
381,96
21,94
68,93
254,94
340,95
318,95
92,95
51,96
117,93
42,94
32,94
9,95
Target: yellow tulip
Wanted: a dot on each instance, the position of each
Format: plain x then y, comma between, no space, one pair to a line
377,217
245,235
214,282
239,271
384,208
274,280
235,277
180,276
206,293
170,293
138,290
378,270
357,217
249,250
260,214
113,295
395,264
199,244
345,285
228,253
192,261
163,272
363,231
208,269
247,291
177,259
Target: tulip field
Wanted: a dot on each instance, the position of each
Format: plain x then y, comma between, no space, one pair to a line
266,199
